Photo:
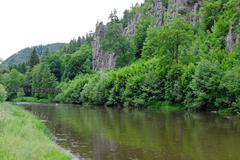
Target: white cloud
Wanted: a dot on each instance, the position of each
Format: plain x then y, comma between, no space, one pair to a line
24,23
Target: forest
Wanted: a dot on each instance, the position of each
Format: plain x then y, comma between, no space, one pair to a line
192,64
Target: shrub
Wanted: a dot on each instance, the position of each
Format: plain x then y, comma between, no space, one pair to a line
231,87
205,88
71,92
3,93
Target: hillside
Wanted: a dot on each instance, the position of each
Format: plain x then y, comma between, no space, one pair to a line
23,55
184,52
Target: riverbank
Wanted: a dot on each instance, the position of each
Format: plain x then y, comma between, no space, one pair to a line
23,137
153,106
31,99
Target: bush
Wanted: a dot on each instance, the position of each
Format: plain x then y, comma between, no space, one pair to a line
173,85
231,86
3,93
71,92
205,88
43,82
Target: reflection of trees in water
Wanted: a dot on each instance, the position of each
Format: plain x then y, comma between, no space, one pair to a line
114,134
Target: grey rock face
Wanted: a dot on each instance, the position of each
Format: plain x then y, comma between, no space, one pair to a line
101,59
232,39
132,23
158,10
163,12
186,8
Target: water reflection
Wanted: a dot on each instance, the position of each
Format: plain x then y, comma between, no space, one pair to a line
107,134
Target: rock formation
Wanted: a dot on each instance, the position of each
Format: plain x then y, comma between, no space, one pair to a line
101,59
157,10
232,39
132,23
162,11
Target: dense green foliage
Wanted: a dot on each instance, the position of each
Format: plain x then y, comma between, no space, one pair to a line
116,43
33,59
43,82
140,35
176,62
78,63
3,93
24,137
14,83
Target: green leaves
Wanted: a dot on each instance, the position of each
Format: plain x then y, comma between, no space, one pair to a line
167,40
33,59
140,35
205,86
114,42
43,82
78,63
3,93
14,83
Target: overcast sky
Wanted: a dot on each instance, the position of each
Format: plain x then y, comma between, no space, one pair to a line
25,23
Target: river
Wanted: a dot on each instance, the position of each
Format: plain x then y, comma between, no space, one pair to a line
98,133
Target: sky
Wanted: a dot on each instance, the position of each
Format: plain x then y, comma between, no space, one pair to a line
26,23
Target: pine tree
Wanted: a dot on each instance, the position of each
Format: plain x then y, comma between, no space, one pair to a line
34,59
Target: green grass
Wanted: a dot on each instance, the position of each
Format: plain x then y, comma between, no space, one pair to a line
24,137
31,99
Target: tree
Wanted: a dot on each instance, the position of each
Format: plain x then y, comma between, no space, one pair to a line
33,59
126,16
167,40
3,93
113,17
22,67
14,83
140,35
205,88
27,85
231,86
54,63
210,12
45,54
3,69
43,82
115,43
173,85
78,63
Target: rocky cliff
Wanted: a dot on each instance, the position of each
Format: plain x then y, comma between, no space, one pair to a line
163,10
132,23
232,39
101,59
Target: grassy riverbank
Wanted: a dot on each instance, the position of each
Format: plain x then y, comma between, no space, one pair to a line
31,99
23,137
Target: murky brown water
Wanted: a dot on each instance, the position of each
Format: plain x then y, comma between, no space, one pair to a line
108,134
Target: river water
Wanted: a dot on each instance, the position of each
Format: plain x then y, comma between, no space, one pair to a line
98,133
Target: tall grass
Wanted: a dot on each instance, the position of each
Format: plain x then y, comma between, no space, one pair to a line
23,137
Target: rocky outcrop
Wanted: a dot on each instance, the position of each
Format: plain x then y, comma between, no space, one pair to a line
132,23
187,9
232,39
163,11
157,10
101,59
